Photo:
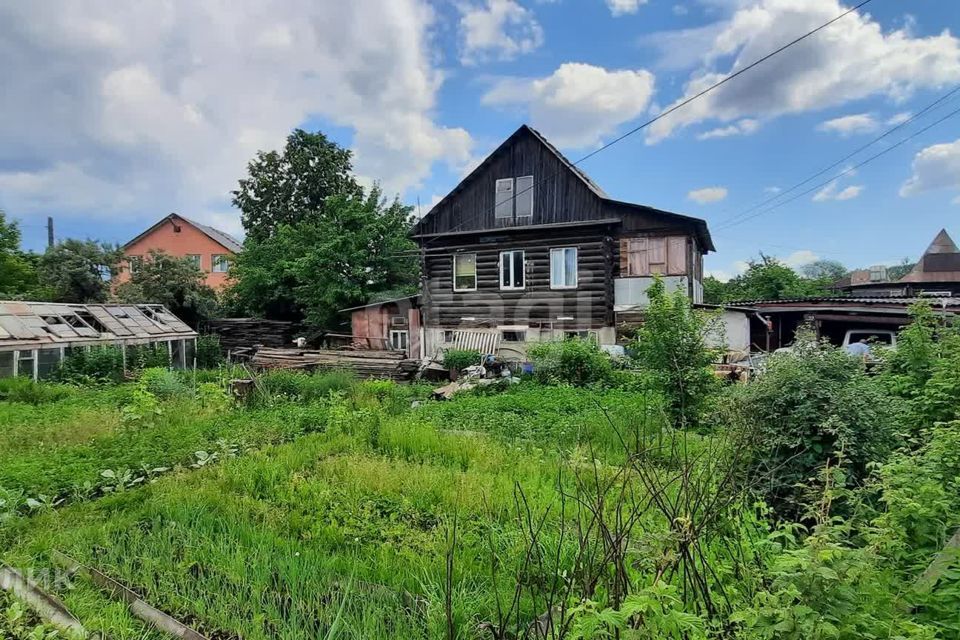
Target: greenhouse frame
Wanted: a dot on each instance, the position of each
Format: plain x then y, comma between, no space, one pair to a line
35,337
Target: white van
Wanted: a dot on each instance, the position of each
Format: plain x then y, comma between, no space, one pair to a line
874,337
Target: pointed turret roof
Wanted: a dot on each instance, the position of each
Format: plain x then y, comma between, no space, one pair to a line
939,263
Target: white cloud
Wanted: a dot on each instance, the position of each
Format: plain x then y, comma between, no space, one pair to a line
772,190
707,195
150,108
741,128
850,60
899,118
833,192
623,7
497,30
935,167
850,125
799,258
680,10
577,104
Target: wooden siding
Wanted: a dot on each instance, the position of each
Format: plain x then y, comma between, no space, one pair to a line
559,194
590,304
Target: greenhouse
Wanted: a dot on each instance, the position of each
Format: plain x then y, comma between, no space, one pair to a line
35,337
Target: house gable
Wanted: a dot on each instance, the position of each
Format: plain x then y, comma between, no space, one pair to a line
561,192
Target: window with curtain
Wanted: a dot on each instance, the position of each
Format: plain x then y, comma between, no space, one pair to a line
563,268
465,272
512,270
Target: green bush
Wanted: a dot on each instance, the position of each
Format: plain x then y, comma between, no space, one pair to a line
209,352
573,361
460,359
809,407
304,386
97,364
29,392
162,382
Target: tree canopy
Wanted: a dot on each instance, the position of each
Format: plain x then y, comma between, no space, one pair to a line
293,186
767,278
177,283
79,270
17,269
327,260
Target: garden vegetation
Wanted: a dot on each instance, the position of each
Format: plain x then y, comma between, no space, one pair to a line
596,500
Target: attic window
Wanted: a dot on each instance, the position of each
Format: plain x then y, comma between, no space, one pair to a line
513,198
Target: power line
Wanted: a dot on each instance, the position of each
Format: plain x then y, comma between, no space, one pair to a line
843,173
839,162
687,101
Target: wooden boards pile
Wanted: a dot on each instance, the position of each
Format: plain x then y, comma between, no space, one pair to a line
247,332
366,364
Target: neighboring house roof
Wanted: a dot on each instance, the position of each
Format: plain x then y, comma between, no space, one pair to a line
415,298
40,324
889,302
702,232
225,240
939,263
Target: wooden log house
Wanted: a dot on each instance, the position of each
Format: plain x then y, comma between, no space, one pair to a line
529,246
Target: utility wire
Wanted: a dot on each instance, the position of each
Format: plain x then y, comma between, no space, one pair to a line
843,173
839,162
687,101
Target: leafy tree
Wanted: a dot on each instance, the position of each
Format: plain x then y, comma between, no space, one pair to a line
769,279
824,271
176,283
897,271
294,185
672,345
79,270
17,269
325,262
714,291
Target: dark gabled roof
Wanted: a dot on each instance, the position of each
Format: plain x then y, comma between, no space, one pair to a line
701,226
225,240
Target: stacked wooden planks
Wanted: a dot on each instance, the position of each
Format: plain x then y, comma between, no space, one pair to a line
366,364
247,332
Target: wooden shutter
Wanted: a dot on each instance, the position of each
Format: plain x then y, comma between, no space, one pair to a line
677,255
656,255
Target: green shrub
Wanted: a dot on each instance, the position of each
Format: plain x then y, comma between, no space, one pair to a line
304,386
460,359
29,392
809,407
146,356
572,361
209,352
97,364
163,383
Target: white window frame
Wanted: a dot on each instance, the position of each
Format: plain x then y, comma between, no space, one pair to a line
508,202
576,267
220,266
454,265
517,192
398,333
507,286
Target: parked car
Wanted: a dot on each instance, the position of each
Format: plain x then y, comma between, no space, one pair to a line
875,337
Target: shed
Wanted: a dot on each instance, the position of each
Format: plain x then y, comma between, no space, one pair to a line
389,324
36,336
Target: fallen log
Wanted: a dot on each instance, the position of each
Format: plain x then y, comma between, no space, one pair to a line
138,607
48,607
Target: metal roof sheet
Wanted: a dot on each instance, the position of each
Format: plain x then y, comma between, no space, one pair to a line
43,323
882,300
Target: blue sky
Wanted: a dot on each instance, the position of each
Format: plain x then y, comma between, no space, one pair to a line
115,117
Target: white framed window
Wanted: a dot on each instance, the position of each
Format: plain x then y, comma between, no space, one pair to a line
465,272
220,263
512,270
524,197
399,340
563,268
503,198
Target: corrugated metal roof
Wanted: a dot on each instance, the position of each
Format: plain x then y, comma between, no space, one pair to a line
34,324
887,300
